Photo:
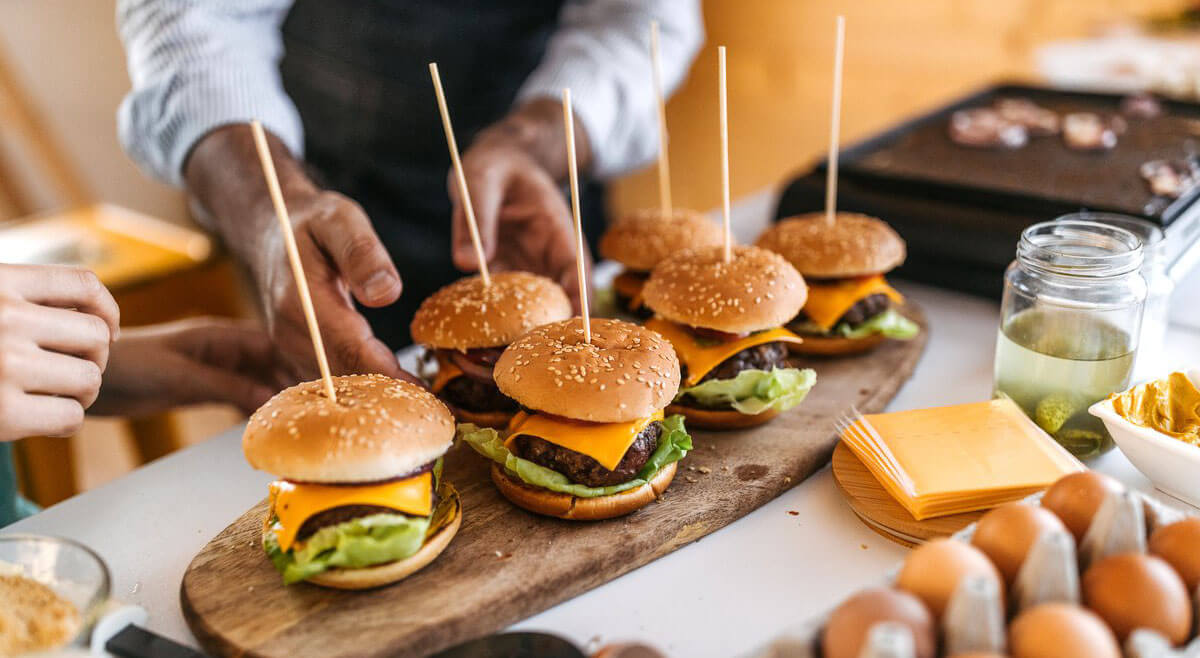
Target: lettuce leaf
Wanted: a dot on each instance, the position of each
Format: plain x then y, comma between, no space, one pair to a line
890,323
673,444
755,391
361,542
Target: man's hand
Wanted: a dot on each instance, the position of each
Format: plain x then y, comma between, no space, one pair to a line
188,362
524,221
56,324
343,257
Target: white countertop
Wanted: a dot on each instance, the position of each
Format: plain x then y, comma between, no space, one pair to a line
723,595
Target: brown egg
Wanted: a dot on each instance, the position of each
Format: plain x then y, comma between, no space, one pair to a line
1179,545
1133,590
1060,630
933,571
846,631
1006,534
1076,497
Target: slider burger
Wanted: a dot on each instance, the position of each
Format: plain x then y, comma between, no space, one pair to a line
360,501
591,441
724,321
644,239
466,325
849,306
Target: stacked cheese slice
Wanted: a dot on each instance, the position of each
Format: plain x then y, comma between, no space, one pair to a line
948,460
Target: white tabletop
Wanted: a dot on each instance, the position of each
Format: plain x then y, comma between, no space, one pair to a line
723,595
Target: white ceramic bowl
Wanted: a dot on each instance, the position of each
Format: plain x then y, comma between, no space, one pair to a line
1172,465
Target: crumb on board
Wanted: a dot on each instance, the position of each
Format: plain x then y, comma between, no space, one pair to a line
690,479
705,470
793,512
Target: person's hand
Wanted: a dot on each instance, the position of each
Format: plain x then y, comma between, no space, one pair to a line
56,325
525,222
344,260
192,361
343,257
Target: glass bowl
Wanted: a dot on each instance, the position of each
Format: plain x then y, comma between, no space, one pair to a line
74,571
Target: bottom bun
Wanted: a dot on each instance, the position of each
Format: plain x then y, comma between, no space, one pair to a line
566,506
835,345
493,419
392,572
721,419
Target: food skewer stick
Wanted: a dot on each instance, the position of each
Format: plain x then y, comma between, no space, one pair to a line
289,243
463,193
664,164
724,152
831,173
573,170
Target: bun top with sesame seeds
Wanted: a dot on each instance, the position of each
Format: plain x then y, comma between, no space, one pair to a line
467,314
380,428
855,245
626,373
755,290
645,238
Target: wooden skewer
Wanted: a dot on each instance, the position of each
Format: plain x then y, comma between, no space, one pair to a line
573,170
832,171
289,242
724,152
463,193
664,164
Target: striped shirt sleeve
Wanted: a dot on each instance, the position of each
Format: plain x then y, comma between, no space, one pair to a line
601,50
197,65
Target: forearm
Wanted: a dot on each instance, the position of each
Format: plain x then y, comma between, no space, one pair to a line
536,128
225,180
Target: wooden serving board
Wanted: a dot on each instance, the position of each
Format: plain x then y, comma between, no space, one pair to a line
507,564
875,507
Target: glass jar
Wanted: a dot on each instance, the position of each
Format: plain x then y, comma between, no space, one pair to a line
1159,288
1070,320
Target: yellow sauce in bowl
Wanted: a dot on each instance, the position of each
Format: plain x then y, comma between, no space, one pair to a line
1170,405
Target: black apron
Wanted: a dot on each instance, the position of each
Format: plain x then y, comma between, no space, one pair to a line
357,71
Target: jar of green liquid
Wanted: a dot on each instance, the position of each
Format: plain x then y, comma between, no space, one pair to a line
1070,319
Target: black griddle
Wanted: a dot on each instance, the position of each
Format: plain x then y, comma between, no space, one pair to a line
962,209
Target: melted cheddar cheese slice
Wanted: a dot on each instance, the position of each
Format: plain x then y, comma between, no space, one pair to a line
447,371
827,302
702,356
607,443
294,503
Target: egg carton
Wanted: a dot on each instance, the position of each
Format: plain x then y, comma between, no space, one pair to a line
975,620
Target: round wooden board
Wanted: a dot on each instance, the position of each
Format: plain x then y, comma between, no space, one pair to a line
876,507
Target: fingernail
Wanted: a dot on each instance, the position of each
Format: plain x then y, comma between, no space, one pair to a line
379,285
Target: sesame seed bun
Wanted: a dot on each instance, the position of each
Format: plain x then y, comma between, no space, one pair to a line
391,572
645,238
855,245
574,508
626,373
835,345
467,314
721,419
756,290
380,428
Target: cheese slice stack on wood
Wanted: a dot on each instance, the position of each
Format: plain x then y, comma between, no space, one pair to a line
949,460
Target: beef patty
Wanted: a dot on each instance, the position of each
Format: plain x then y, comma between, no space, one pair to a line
865,309
346,513
476,395
760,357
584,470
